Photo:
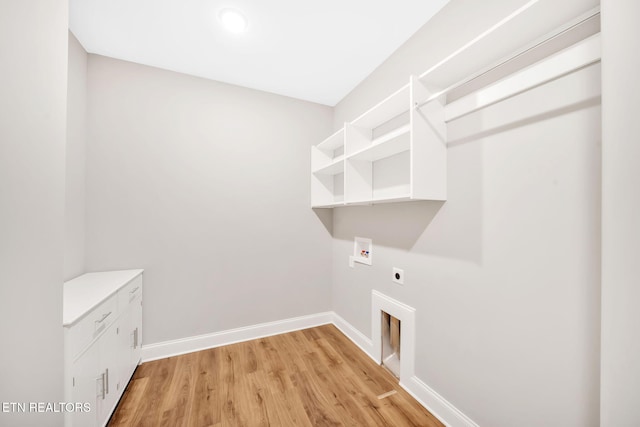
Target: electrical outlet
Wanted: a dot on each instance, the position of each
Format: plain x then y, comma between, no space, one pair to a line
398,276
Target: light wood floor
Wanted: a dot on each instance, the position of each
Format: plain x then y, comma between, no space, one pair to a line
314,377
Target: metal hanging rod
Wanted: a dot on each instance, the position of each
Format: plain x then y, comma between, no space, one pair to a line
479,38
536,44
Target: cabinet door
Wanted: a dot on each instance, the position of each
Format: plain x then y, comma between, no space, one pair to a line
87,386
110,368
136,317
125,347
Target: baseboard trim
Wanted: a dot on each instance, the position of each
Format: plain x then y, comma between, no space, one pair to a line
357,337
436,404
177,347
429,398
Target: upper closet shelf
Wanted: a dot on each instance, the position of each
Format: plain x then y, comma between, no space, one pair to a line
327,157
387,145
336,166
332,143
397,150
393,106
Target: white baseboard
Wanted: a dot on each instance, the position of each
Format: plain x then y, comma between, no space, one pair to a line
354,335
436,404
430,399
177,347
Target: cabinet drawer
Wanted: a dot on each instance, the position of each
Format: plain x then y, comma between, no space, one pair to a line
128,293
92,324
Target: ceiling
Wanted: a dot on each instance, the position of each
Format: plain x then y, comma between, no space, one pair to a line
316,51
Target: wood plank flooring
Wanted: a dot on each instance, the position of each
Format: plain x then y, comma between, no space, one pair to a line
313,377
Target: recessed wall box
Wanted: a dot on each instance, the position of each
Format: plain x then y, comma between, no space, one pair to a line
362,251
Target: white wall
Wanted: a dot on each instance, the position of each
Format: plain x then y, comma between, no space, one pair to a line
206,186
33,94
75,158
620,207
505,275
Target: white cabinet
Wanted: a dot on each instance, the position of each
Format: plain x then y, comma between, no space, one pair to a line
109,367
87,385
136,330
130,325
94,376
396,151
125,347
103,330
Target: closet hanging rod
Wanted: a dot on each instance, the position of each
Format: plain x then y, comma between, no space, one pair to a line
543,40
568,61
478,38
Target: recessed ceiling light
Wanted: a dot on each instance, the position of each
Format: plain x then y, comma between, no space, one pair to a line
233,20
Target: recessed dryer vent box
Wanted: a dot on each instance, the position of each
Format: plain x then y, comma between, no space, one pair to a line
362,251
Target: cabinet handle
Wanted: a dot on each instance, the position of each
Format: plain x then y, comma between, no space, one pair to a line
134,289
135,338
102,390
104,316
107,376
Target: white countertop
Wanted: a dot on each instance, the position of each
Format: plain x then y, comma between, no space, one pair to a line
82,294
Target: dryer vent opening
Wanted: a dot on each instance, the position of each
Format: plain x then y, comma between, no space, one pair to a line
391,343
